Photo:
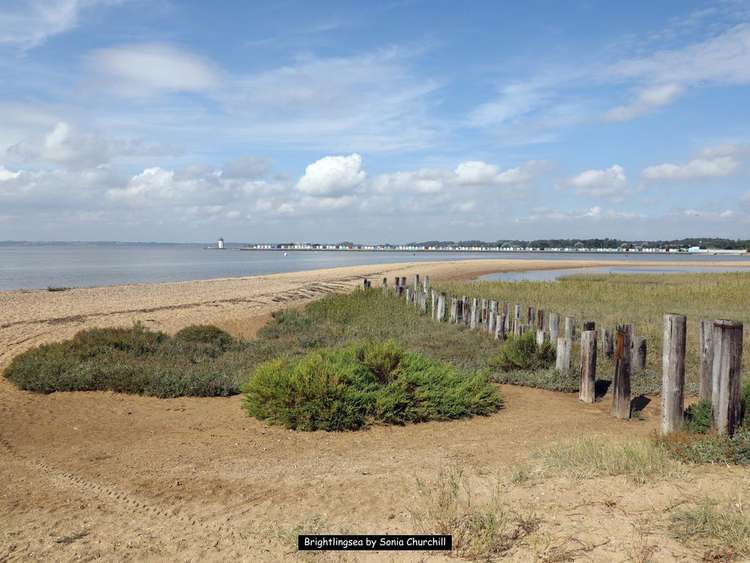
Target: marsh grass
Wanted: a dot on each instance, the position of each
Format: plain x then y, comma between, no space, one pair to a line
480,530
641,299
590,457
724,526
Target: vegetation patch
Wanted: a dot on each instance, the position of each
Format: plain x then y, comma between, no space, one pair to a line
480,530
202,361
725,528
523,353
590,457
351,387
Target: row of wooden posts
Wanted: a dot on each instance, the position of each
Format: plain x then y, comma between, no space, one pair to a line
720,350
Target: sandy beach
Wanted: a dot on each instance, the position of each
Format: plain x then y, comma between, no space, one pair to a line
118,477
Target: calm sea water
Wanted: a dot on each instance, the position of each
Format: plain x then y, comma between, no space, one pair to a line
82,265
553,275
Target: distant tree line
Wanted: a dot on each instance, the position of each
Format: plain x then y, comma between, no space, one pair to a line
714,243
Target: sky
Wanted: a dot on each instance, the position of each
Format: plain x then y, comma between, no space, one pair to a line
390,121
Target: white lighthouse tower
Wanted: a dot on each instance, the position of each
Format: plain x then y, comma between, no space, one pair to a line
220,244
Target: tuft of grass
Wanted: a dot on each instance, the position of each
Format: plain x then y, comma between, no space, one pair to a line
480,531
698,417
348,388
590,457
726,528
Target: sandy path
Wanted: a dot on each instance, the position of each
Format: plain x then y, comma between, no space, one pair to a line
102,475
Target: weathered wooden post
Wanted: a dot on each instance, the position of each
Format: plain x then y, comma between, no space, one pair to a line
492,321
608,343
467,310
517,320
423,302
474,313
500,331
385,286
673,373
441,307
506,316
426,283
726,376
433,303
554,328
530,316
638,361
416,282
454,310
621,379
408,294
706,359
570,328
562,359
540,319
364,283
541,336
587,392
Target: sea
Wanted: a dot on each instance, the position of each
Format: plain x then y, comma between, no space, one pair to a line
66,265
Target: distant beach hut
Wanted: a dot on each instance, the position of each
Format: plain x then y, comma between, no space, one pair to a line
220,244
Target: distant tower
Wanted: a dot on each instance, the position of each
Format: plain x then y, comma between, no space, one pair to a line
220,244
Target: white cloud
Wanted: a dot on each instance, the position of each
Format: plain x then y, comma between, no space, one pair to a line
332,176
146,69
716,167
66,145
610,182
647,101
30,23
6,174
723,59
247,166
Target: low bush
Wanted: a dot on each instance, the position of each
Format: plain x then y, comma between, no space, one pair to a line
523,353
350,387
200,361
708,448
698,417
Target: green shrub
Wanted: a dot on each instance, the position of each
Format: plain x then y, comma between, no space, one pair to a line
708,448
133,360
698,417
351,387
523,353
205,334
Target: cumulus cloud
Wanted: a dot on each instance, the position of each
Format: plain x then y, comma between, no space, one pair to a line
610,182
147,69
698,168
646,101
68,146
333,176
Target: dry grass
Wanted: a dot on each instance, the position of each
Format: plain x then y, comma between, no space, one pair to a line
723,527
480,531
641,299
590,457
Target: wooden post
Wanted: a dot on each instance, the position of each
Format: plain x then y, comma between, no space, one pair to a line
416,282
517,320
441,307
474,313
608,343
492,321
506,316
638,361
433,303
562,360
706,360
426,283
570,328
673,373
621,379
589,325
385,286
408,294
530,316
726,376
423,302
396,283
454,310
467,310
540,337
554,328
587,392
540,319
500,330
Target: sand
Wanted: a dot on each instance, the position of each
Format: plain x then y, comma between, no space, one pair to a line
101,475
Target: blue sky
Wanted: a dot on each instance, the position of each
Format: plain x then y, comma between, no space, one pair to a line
379,121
